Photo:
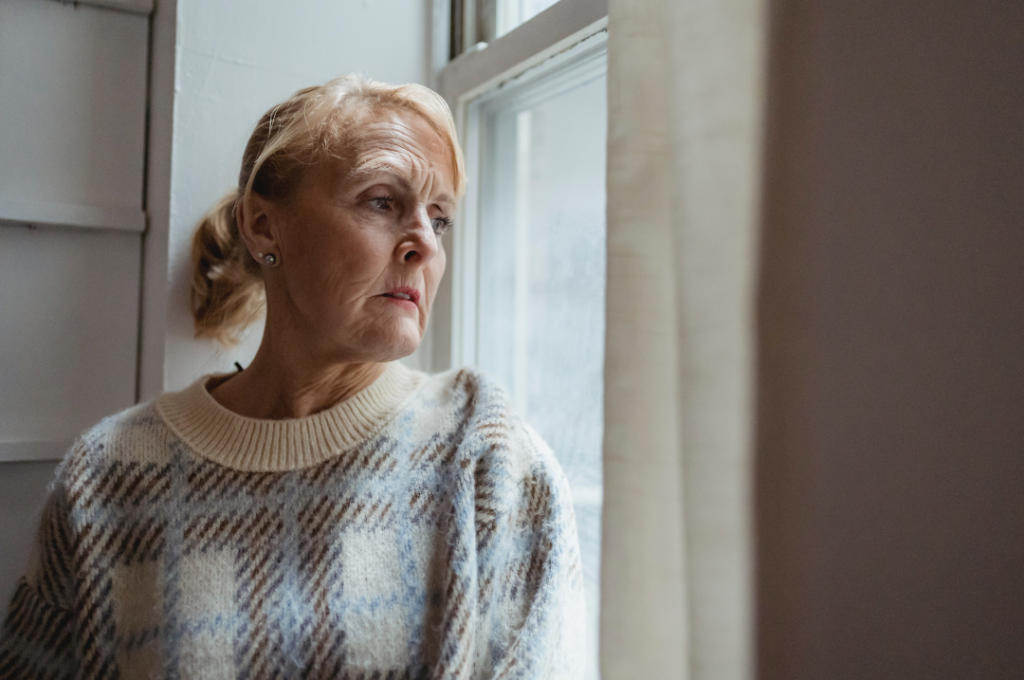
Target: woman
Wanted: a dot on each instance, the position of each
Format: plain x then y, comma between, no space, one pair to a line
324,513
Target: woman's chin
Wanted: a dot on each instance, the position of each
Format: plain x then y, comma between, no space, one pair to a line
399,343
382,342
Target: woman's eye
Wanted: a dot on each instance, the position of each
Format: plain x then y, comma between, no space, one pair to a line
382,203
442,224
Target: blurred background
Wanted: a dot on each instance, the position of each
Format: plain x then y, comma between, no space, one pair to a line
754,268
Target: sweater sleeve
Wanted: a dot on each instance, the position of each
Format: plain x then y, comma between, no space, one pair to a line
37,639
530,578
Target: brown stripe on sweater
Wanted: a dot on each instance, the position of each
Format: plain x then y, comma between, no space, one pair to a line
370,459
96,625
319,570
135,483
428,451
537,506
315,514
465,382
56,631
201,481
539,565
485,502
204,533
426,507
32,619
54,581
136,541
260,573
439,450
316,475
458,636
500,427
385,464
485,585
82,482
208,481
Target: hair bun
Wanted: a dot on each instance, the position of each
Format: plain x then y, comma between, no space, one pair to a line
227,287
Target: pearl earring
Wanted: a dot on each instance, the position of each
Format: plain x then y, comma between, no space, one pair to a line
270,259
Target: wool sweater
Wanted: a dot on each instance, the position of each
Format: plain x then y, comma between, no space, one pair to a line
418,529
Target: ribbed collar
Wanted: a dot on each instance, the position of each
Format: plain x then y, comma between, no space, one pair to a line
256,445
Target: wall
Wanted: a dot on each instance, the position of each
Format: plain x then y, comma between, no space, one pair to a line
233,61
72,144
891,442
23,489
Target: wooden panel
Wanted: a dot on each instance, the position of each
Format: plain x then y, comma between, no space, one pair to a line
73,105
68,333
34,450
133,6
72,215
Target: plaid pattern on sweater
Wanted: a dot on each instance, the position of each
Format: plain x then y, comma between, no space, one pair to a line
440,544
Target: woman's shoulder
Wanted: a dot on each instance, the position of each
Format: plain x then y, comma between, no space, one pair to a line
136,435
459,384
493,435
472,402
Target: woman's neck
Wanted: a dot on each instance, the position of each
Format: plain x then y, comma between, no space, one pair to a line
280,385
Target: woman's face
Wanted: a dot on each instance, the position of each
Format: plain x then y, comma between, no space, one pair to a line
360,243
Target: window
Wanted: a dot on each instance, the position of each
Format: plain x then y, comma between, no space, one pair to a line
528,252
539,307
482,21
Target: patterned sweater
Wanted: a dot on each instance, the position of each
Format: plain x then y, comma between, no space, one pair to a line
416,530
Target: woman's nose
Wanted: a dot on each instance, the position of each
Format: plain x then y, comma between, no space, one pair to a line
419,242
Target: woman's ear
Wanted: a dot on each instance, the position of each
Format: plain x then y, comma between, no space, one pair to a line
257,225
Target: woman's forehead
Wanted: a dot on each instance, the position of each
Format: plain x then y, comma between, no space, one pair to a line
396,132
397,142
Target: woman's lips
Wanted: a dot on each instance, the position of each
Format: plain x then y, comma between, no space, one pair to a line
405,296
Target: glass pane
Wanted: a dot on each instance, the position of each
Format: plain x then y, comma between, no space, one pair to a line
541,270
485,20
511,13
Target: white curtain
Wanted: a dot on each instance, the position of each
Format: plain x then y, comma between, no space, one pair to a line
685,117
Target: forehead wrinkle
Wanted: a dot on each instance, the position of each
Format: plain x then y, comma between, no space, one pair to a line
386,137
393,148
366,171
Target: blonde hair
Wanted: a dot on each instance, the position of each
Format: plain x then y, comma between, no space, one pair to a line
316,123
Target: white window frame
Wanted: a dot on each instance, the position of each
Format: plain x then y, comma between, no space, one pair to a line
452,340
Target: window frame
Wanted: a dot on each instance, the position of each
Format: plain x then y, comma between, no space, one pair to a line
451,341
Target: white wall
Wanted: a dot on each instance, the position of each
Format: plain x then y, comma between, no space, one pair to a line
72,153
233,60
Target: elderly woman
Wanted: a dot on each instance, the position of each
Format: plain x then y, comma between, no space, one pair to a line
326,512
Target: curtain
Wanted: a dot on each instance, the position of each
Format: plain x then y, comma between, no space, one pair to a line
685,109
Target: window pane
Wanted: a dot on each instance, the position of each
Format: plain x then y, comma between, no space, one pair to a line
484,20
540,316
511,13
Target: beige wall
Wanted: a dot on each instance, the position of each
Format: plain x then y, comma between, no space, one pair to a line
891,398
